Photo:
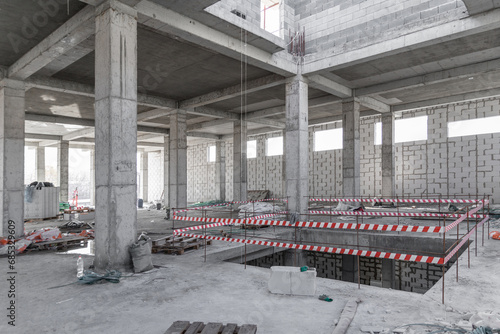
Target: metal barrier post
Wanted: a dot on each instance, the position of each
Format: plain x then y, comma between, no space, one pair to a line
456,261
468,240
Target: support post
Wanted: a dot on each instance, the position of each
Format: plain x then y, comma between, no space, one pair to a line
115,134
166,150
144,175
297,145
63,172
178,160
12,163
40,164
92,177
220,170
388,182
351,148
239,161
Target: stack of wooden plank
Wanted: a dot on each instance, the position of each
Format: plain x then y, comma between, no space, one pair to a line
177,245
184,327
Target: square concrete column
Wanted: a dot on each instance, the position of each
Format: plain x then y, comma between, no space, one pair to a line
351,149
12,152
115,134
144,175
388,273
220,170
388,182
63,170
40,164
166,149
349,268
239,161
92,177
297,145
178,160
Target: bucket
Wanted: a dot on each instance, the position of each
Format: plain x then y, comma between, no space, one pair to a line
140,203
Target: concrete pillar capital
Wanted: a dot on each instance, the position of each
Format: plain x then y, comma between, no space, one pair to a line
11,83
117,6
296,78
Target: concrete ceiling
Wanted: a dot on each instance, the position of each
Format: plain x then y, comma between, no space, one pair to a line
175,69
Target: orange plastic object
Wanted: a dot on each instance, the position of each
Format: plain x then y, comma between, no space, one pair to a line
495,235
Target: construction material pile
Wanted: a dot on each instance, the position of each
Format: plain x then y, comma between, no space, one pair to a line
258,209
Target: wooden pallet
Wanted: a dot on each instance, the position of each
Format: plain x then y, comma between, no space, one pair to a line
59,244
177,245
40,219
184,327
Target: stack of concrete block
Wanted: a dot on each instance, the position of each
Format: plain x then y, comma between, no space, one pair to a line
44,204
292,281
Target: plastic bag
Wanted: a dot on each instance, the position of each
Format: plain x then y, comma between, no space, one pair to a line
141,254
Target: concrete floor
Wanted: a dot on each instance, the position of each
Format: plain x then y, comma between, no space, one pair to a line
187,288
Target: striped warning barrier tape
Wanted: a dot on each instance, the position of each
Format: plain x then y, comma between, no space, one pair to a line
390,214
323,249
464,240
229,203
269,215
462,217
346,226
374,227
400,200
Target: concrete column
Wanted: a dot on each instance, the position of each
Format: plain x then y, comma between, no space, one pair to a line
239,161
349,268
178,160
63,171
92,177
350,152
144,175
388,182
297,145
115,134
12,161
166,149
388,273
220,170
40,164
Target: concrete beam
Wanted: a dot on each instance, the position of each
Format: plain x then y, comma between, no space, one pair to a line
76,88
203,135
87,132
95,3
448,99
233,91
268,122
167,21
41,136
152,114
431,78
208,124
68,35
479,6
374,104
252,116
148,136
207,111
434,35
84,122
329,86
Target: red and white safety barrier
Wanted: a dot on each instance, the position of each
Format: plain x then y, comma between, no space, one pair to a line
391,214
229,203
463,216
373,227
464,240
335,250
401,200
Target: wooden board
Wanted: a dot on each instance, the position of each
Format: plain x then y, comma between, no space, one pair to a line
179,246
59,244
184,327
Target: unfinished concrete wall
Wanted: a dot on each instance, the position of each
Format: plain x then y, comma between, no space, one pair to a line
201,174
155,175
349,24
450,166
371,159
325,167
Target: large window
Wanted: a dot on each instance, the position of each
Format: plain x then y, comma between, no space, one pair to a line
328,140
211,153
274,146
410,129
470,127
251,149
270,16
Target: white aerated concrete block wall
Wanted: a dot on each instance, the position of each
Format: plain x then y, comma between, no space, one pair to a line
439,165
343,25
291,281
